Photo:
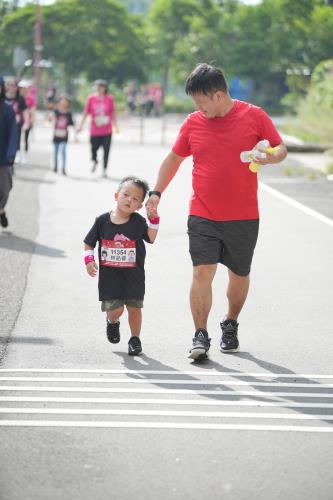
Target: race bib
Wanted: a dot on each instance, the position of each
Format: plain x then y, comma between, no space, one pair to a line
118,253
60,133
101,120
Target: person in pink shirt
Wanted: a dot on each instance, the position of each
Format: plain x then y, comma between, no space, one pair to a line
101,107
29,93
223,218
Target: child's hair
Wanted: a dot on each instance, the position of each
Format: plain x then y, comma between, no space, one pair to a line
138,182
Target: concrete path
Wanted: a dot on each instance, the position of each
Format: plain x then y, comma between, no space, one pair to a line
81,419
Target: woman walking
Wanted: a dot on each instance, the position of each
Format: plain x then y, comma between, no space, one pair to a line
100,106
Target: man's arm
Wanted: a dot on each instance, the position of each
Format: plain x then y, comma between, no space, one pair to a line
166,173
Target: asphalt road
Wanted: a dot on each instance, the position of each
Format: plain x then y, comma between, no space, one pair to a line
81,419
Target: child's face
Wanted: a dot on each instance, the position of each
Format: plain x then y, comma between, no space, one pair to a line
129,198
63,105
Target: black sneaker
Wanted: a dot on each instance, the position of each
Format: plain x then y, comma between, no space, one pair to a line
3,220
200,345
112,332
229,340
134,346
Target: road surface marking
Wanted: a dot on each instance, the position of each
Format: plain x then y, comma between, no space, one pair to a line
163,425
164,413
164,401
164,381
166,391
296,204
211,373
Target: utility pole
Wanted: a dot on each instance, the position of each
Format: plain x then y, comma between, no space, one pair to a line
38,47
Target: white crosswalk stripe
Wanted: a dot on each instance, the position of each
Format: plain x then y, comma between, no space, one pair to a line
168,400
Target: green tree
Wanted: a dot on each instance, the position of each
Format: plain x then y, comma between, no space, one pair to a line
91,38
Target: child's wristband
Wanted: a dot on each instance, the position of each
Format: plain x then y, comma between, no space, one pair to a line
89,256
154,223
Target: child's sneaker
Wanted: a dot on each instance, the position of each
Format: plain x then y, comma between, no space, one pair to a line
229,340
112,332
134,346
200,345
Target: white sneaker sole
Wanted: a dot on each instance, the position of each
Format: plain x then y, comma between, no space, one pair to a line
226,351
198,354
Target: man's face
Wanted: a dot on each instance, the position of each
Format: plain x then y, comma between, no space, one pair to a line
208,105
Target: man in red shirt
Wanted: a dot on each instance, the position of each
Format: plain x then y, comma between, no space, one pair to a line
223,219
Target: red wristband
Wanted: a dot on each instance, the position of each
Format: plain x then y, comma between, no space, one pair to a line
89,258
155,220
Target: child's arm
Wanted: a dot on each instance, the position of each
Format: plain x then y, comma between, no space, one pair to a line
154,221
89,260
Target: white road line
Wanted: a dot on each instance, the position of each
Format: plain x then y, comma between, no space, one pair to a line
296,204
163,425
163,381
166,391
180,402
163,413
211,373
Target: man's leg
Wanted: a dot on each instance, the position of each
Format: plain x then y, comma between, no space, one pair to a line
237,291
201,303
201,294
236,294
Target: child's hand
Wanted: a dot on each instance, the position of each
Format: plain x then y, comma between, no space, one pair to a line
151,212
92,268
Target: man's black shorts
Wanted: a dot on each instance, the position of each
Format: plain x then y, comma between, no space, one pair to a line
230,242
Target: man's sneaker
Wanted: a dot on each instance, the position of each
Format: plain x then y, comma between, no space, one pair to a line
134,346
200,345
93,166
229,340
112,332
3,220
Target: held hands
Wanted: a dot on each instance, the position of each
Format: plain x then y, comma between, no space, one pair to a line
151,205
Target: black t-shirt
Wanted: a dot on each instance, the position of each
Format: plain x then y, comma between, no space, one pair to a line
121,253
19,105
61,123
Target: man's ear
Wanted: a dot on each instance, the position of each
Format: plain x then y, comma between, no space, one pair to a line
140,206
116,195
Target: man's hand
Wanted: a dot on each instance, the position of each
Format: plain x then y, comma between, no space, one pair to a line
92,268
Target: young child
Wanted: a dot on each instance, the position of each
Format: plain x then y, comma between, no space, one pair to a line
62,120
121,250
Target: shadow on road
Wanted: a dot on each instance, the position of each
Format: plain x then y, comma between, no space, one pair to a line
11,242
26,340
146,363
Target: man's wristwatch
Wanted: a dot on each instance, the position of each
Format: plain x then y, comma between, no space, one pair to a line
156,193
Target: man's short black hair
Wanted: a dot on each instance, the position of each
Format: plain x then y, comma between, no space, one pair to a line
205,79
138,182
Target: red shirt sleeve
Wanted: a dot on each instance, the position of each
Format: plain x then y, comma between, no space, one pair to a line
268,130
182,145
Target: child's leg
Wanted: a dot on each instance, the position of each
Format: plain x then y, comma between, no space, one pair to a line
63,154
134,320
114,315
55,153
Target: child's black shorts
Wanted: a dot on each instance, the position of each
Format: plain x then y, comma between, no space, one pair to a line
231,243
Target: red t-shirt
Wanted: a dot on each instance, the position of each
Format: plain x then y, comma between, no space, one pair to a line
223,187
101,110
